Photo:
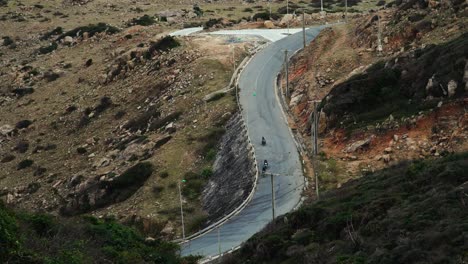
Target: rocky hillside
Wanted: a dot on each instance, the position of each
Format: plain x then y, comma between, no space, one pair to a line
107,118
402,86
413,212
379,107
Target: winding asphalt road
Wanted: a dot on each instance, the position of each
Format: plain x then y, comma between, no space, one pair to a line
265,118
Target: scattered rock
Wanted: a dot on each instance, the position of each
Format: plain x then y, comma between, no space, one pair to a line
68,40
268,24
386,158
6,130
452,88
102,163
358,145
170,128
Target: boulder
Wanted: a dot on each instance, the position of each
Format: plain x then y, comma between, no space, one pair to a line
358,145
6,130
295,99
68,40
10,199
286,19
268,24
170,128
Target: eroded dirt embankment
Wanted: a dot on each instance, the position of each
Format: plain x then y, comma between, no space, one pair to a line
234,172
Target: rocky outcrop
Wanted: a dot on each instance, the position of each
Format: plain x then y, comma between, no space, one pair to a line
234,172
406,83
100,192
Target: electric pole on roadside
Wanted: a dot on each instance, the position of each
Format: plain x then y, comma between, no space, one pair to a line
219,242
181,212
272,196
287,13
286,65
314,134
303,28
379,35
269,7
234,57
346,11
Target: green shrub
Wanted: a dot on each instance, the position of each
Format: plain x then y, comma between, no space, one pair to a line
207,172
42,224
25,164
196,223
143,21
164,174
265,16
197,10
48,49
7,41
211,154
165,44
9,241
212,22
193,186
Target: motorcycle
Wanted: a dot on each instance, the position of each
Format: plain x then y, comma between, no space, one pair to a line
265,166
263,141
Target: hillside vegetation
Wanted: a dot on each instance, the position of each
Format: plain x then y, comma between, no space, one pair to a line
41,238
414,212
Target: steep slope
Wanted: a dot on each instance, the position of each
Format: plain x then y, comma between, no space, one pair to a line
413,212
380,106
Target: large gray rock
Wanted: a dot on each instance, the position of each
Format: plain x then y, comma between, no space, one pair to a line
68,40
358,145
286,19
6,130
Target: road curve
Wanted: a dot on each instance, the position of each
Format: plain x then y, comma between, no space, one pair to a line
264,117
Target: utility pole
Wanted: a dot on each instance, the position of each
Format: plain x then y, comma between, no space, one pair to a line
321,6
379,35
314,132
287,71
181,212
269,7
219,242
346,11
234,57
303,28
272,196
287,13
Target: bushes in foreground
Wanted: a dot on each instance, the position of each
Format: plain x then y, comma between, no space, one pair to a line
41,238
